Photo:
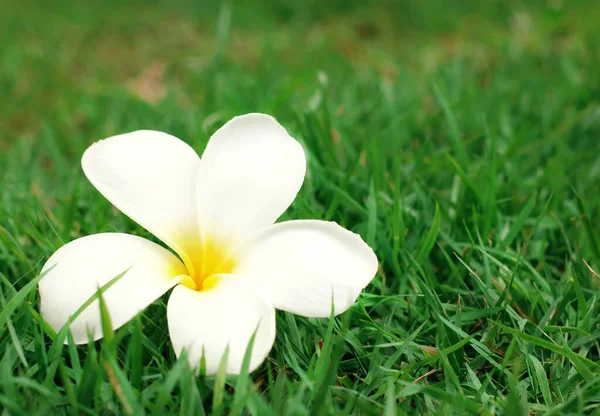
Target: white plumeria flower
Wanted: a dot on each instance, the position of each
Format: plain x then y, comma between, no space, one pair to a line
233,266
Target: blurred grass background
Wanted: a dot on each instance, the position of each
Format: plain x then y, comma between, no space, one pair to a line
461,139
57,52
72,72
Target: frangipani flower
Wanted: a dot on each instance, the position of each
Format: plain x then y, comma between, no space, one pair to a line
233,266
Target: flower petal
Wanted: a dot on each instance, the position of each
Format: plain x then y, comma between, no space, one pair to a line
210,320
250,173
85,264
151,177
300,266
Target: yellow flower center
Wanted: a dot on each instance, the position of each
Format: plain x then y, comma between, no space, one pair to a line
204,261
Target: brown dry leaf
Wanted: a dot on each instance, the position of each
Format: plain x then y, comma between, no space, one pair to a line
149,85
362,158
431,350
335,136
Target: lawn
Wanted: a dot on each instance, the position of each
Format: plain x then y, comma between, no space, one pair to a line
461,140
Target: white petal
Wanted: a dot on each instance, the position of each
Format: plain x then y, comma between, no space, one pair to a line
151,177
250,173
210,320
300,266
85,264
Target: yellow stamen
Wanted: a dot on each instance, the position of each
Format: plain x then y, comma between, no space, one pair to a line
187,281
204,261
211,282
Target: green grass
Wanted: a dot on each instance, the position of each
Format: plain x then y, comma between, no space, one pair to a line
462,142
